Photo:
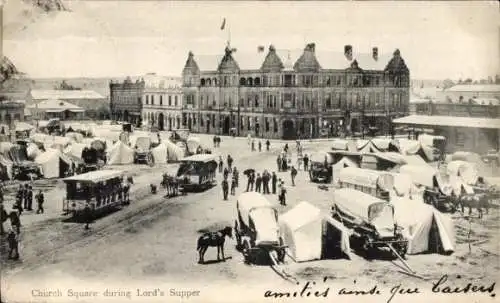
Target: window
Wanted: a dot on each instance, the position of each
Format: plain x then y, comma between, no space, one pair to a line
339,80
139,100
275,126
276,80
175,100
152,99
288,80
169,100
201,101
339,99
161,99
213,120
147,99
328,100
226,82
201,121
256,101
267,124
248,123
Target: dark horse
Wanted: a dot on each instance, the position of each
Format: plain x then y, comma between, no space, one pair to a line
213,239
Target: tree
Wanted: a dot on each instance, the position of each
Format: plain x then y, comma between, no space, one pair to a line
103,112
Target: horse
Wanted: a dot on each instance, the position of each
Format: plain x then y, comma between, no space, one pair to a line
213,239
477,200
171,184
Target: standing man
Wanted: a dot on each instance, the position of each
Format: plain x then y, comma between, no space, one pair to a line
19,199
282,196
233,185
225,188
229,162
278,162
15,221
30,197
293,174
258,183
226,173
39,200
260,146
236,175
251,181
267,145
265,182
221,164
306,162
274,180
253,145
12,238
87,215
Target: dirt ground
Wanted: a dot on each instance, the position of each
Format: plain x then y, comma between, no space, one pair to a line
154,239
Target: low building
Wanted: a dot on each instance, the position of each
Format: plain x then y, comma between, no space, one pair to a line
474,134
162,102
54,108
462,93
126,100
89,100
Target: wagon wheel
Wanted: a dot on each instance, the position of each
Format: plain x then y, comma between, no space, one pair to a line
246,252
401,247
150,159
237,235
281,251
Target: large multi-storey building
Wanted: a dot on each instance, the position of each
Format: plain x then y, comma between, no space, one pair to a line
278,97
162,102
126,100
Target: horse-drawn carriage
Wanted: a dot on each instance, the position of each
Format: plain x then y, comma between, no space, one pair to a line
95,192
437,192
321,167
142,150
371,220
256,228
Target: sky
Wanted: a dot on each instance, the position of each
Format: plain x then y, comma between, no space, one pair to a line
438,40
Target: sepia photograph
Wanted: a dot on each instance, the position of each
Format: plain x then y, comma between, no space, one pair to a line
249,151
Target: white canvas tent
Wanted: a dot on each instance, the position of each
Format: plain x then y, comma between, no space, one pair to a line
53,163
77,137
160,153
343,163
32,151
120,153
174,152
464,170
301,229
382,144
340,144
426,176
193,143
424,227
75,150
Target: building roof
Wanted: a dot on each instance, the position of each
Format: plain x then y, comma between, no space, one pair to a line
54,105
153,80
449,121
248,60
64,94
475,88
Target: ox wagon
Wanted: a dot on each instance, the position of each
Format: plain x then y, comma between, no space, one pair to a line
372,182
371,220
256,228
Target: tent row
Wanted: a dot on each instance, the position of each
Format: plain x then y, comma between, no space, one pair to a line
312,235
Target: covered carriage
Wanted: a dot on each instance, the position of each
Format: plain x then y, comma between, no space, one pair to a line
142,150
371,220
437,192
256,227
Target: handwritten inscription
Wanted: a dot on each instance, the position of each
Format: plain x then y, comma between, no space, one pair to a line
311,289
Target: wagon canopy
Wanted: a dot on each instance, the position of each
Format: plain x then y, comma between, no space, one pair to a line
381,144
301,229
464,170
340,144
366,177
193,143
254,207
366,208
120,153
426,176
321,156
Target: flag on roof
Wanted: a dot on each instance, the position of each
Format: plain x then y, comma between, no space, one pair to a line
223,24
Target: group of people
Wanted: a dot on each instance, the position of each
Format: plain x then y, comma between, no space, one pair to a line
216,141
260,183
229,169
24,201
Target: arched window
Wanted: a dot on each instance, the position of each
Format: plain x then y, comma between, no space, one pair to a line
202,82
209,82
256,81
242,81
250,82
214,81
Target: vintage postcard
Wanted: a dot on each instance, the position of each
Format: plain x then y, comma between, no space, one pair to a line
249,151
